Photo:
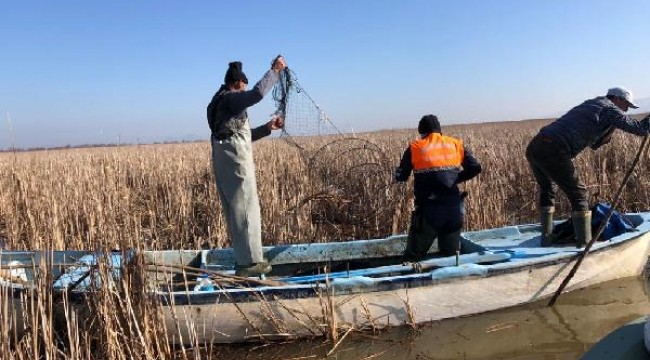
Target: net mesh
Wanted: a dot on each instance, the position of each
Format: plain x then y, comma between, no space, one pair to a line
350,177
303,117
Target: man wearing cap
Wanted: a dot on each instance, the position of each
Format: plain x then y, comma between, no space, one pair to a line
551,151
232,161
439,164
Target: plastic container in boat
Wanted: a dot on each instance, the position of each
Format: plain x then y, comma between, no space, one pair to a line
203,283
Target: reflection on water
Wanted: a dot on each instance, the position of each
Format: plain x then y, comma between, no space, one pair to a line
535,331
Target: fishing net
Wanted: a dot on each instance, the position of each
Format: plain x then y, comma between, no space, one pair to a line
304,119
350,177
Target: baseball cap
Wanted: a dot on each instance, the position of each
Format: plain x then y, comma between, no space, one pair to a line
623,93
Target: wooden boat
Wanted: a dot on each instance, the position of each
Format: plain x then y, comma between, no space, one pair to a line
323,289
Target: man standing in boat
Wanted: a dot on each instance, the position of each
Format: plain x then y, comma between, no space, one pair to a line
232,161
439,164
551,152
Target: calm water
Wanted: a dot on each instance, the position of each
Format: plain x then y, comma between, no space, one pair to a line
566,331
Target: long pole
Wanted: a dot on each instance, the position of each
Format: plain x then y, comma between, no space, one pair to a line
602,225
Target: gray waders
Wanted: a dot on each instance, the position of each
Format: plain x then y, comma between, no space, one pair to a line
234,171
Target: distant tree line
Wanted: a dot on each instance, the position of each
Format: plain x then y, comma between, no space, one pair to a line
85,146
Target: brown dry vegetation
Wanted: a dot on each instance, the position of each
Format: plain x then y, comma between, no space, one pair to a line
163,197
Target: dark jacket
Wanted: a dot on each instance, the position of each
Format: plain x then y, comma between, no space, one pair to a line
591,124
440,186
227,110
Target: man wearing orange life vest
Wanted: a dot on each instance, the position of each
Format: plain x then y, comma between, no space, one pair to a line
439,163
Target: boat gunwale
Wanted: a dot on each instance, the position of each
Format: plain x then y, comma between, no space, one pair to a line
383,284
373,285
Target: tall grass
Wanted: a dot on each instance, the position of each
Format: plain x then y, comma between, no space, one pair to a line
164,197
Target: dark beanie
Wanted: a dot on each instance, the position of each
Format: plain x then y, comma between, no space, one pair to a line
429,124
235,73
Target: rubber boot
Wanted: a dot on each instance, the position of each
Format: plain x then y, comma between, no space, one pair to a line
546,221
582,227
253,270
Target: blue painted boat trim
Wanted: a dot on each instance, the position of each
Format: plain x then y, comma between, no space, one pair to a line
523,256
521,261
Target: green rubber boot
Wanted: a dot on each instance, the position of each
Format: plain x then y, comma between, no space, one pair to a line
582,227
546,221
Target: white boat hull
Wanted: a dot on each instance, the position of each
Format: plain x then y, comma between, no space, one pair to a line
449,298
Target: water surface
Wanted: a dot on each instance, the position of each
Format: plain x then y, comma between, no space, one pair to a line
534,331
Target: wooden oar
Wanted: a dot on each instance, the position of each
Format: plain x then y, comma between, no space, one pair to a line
601,227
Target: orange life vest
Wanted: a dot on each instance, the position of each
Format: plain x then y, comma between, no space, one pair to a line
436,152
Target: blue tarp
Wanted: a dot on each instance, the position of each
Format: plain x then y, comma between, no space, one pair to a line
616,225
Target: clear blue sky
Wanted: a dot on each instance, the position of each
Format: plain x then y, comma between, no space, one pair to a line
75,72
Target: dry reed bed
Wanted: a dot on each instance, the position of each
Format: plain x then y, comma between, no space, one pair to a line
163,197
118,320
